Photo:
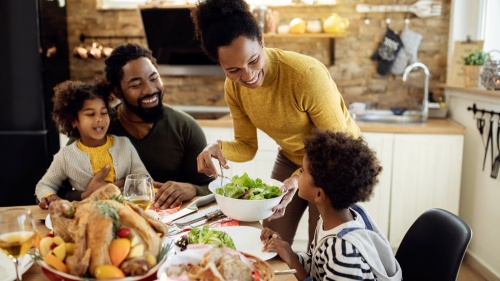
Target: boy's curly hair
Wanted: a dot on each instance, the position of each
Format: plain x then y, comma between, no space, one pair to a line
218,22
68,101
343,166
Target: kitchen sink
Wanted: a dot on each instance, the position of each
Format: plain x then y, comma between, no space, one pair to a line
387,116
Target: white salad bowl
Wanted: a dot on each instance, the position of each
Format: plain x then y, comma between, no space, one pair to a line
242,209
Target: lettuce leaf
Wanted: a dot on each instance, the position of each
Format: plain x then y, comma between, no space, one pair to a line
252,189
207,235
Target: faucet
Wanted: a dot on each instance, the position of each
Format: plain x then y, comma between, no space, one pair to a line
425,102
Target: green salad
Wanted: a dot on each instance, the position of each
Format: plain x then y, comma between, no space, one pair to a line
207,235
249,189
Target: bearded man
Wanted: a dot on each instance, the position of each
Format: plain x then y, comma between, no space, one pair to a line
167,140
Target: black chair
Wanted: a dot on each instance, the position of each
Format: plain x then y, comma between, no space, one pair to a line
434,247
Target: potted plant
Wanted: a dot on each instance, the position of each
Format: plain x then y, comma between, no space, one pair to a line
473,62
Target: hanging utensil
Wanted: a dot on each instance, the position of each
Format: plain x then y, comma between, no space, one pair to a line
480,126
496,164
421,8
490,137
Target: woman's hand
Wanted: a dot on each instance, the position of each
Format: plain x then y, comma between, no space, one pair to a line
204,159
171,194
289,187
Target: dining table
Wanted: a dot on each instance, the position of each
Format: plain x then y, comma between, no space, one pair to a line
34,273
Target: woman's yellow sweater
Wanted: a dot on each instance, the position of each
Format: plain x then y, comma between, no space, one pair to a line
297,95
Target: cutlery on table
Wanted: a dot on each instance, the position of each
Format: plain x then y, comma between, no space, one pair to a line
202,201
286,271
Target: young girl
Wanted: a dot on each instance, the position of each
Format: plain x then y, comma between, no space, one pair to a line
337,172
82,111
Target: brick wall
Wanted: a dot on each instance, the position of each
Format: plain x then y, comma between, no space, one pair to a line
354,72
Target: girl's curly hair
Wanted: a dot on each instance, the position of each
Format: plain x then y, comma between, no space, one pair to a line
68,101
343,166
218,22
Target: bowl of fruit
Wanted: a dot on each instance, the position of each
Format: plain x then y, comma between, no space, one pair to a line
245,199
104,237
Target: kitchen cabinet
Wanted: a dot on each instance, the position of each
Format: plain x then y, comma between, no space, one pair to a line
420,171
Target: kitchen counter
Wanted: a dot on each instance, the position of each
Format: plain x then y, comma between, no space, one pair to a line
432,126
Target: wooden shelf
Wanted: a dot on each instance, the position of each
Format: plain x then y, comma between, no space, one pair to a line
304,35
331,37
481,91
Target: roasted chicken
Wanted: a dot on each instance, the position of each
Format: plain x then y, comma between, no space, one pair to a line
91,225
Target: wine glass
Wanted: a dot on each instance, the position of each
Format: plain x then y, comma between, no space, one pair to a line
17,233
139,190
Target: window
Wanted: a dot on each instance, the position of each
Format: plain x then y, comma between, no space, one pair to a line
490,23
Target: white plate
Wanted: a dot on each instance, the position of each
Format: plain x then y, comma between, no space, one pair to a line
7,269
48,222
246,239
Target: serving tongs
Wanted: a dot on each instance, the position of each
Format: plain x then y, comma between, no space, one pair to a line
222,177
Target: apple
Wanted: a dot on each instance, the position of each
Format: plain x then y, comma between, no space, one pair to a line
136,251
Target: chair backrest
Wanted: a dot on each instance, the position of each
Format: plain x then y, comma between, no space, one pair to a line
434,246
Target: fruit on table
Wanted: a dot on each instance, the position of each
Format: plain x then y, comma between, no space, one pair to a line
55,262
60,251
119,250
106,271
123,232
48,244
298,26
136,251
70,248
45,244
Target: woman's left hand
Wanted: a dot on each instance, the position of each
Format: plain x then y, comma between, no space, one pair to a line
289,187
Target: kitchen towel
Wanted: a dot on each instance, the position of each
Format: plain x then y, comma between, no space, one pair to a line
408,55
387,51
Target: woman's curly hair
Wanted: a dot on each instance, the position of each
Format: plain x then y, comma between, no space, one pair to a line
343,166
218,22
68,101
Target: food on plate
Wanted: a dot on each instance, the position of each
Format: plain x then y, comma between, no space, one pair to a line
205,235
102,236
246,188
216,264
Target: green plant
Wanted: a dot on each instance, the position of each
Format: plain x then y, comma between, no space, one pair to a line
476,58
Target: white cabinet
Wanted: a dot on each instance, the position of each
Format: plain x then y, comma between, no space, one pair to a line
426,174
379,204
420,171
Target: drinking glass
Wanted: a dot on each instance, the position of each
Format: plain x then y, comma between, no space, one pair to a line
139,190
17,233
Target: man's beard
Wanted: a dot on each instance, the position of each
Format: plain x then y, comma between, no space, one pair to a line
148,115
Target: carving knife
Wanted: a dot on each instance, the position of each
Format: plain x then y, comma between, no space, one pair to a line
193,207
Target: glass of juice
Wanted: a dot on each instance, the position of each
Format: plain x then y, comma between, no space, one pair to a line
139,190
17,233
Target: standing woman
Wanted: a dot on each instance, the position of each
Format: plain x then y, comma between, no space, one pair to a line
282,93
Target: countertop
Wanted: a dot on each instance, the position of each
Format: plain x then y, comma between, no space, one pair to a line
432,126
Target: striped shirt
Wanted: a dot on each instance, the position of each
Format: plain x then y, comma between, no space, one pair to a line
335,258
